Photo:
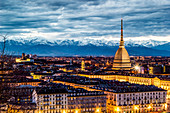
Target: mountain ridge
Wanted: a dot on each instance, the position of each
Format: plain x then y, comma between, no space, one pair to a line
86,41
94,48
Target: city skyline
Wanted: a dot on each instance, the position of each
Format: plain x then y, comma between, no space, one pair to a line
97,19
84,56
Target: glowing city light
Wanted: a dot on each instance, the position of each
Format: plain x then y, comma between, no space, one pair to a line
40,111
117,109
136,107
149,107
136,67
165,106
77,111
97,110
64,111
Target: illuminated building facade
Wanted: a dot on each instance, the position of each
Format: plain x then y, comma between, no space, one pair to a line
137,102
123,97
161,83
87,101
25,58
82,65
41,75
69,100
50,100
12,82
121,59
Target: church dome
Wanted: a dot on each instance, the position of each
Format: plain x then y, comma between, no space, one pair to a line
121,59
121,55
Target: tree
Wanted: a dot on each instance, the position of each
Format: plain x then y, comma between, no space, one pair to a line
3,56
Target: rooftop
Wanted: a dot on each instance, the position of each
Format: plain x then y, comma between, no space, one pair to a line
108,85
60,88
125,87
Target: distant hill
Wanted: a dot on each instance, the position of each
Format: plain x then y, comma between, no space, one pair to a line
87,47
163,47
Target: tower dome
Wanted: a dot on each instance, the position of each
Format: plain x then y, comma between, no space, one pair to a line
121,59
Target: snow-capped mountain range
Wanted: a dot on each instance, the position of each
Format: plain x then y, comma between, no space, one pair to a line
86,41
86,46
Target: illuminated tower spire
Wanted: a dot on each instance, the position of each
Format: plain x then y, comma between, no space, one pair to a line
83,65
121,59
121,40
121,29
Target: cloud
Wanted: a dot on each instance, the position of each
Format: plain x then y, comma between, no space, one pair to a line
53,19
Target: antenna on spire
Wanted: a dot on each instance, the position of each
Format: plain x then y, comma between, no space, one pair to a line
121,29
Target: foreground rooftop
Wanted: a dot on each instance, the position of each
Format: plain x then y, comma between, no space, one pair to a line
108,85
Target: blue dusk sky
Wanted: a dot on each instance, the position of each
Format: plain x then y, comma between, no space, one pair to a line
79,19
